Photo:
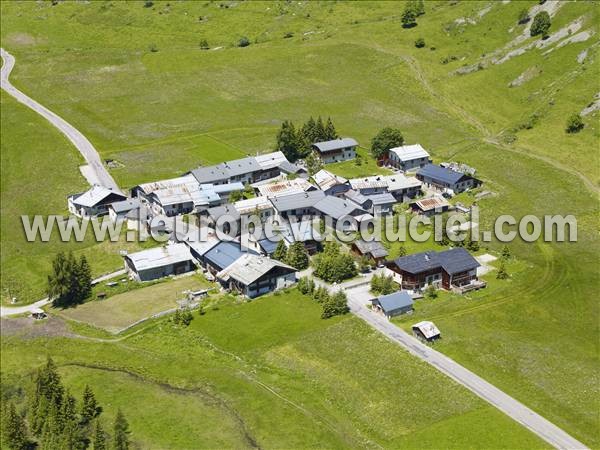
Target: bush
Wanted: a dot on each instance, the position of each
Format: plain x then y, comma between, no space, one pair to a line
382,285
321,294
306,286
204,44
409,17
502,273
334,266
431,292
244,42
420,43
148,4
384,140
574,124
336,305
541,24
153,48
297,256
182,317
288,35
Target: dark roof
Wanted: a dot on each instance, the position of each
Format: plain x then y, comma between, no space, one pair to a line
297,201
268,246
336,144
452,261
223,254
126,205
395,301
288,167
440,174
373,247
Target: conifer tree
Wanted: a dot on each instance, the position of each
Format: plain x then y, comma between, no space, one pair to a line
287,141
14,429
330,132
320,134
297,256
99,441
120,432
280,253
90,408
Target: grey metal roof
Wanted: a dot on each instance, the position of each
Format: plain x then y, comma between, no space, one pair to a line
297,201
336,207
224,254
95,195
452,261
210,174
242,166
249,268
159,256
359,198
382,199
126,205
288,167
394,301
336,144
440,174
373,247
223,210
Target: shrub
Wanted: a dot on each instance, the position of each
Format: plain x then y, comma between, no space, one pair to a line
204,44
382,285
148,4
384,140
336,305
420,43
244,42
505,252
431,292
288,35
574,123
334,266
297,256
541,24
321,295
502,273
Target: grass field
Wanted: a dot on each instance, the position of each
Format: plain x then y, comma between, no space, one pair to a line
122,310
269,373
535,336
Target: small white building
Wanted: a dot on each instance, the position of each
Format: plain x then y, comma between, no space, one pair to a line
408,157
402,187
336,150
173,259
426,330
93,202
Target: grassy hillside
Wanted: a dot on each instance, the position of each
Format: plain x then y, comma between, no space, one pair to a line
275,376
162,112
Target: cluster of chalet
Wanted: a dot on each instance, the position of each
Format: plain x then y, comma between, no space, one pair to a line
282,191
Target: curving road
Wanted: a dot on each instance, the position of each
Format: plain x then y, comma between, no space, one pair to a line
358,293
94,171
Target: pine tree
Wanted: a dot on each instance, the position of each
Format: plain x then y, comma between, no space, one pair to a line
84,278
90,408
14,429
59,281
99,437
330,132
320,134
505,252
120,432
313,163
297,256
287,141
502,273
48,395
280,253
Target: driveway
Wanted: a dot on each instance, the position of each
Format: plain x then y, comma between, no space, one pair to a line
94,171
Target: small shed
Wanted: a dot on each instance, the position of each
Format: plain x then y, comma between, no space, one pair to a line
426,330
394,304
374,250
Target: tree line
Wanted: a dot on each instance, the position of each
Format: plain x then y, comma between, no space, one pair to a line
53,420
295,143
333,304
295,256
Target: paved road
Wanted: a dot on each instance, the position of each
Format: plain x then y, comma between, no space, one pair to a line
6,311
94,171
358,296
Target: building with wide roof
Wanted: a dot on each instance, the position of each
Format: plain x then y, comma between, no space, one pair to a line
336,150
454,267
393,304
446,180
172,259
252,275
408,157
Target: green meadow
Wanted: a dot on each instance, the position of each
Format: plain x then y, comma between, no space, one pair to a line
135,81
